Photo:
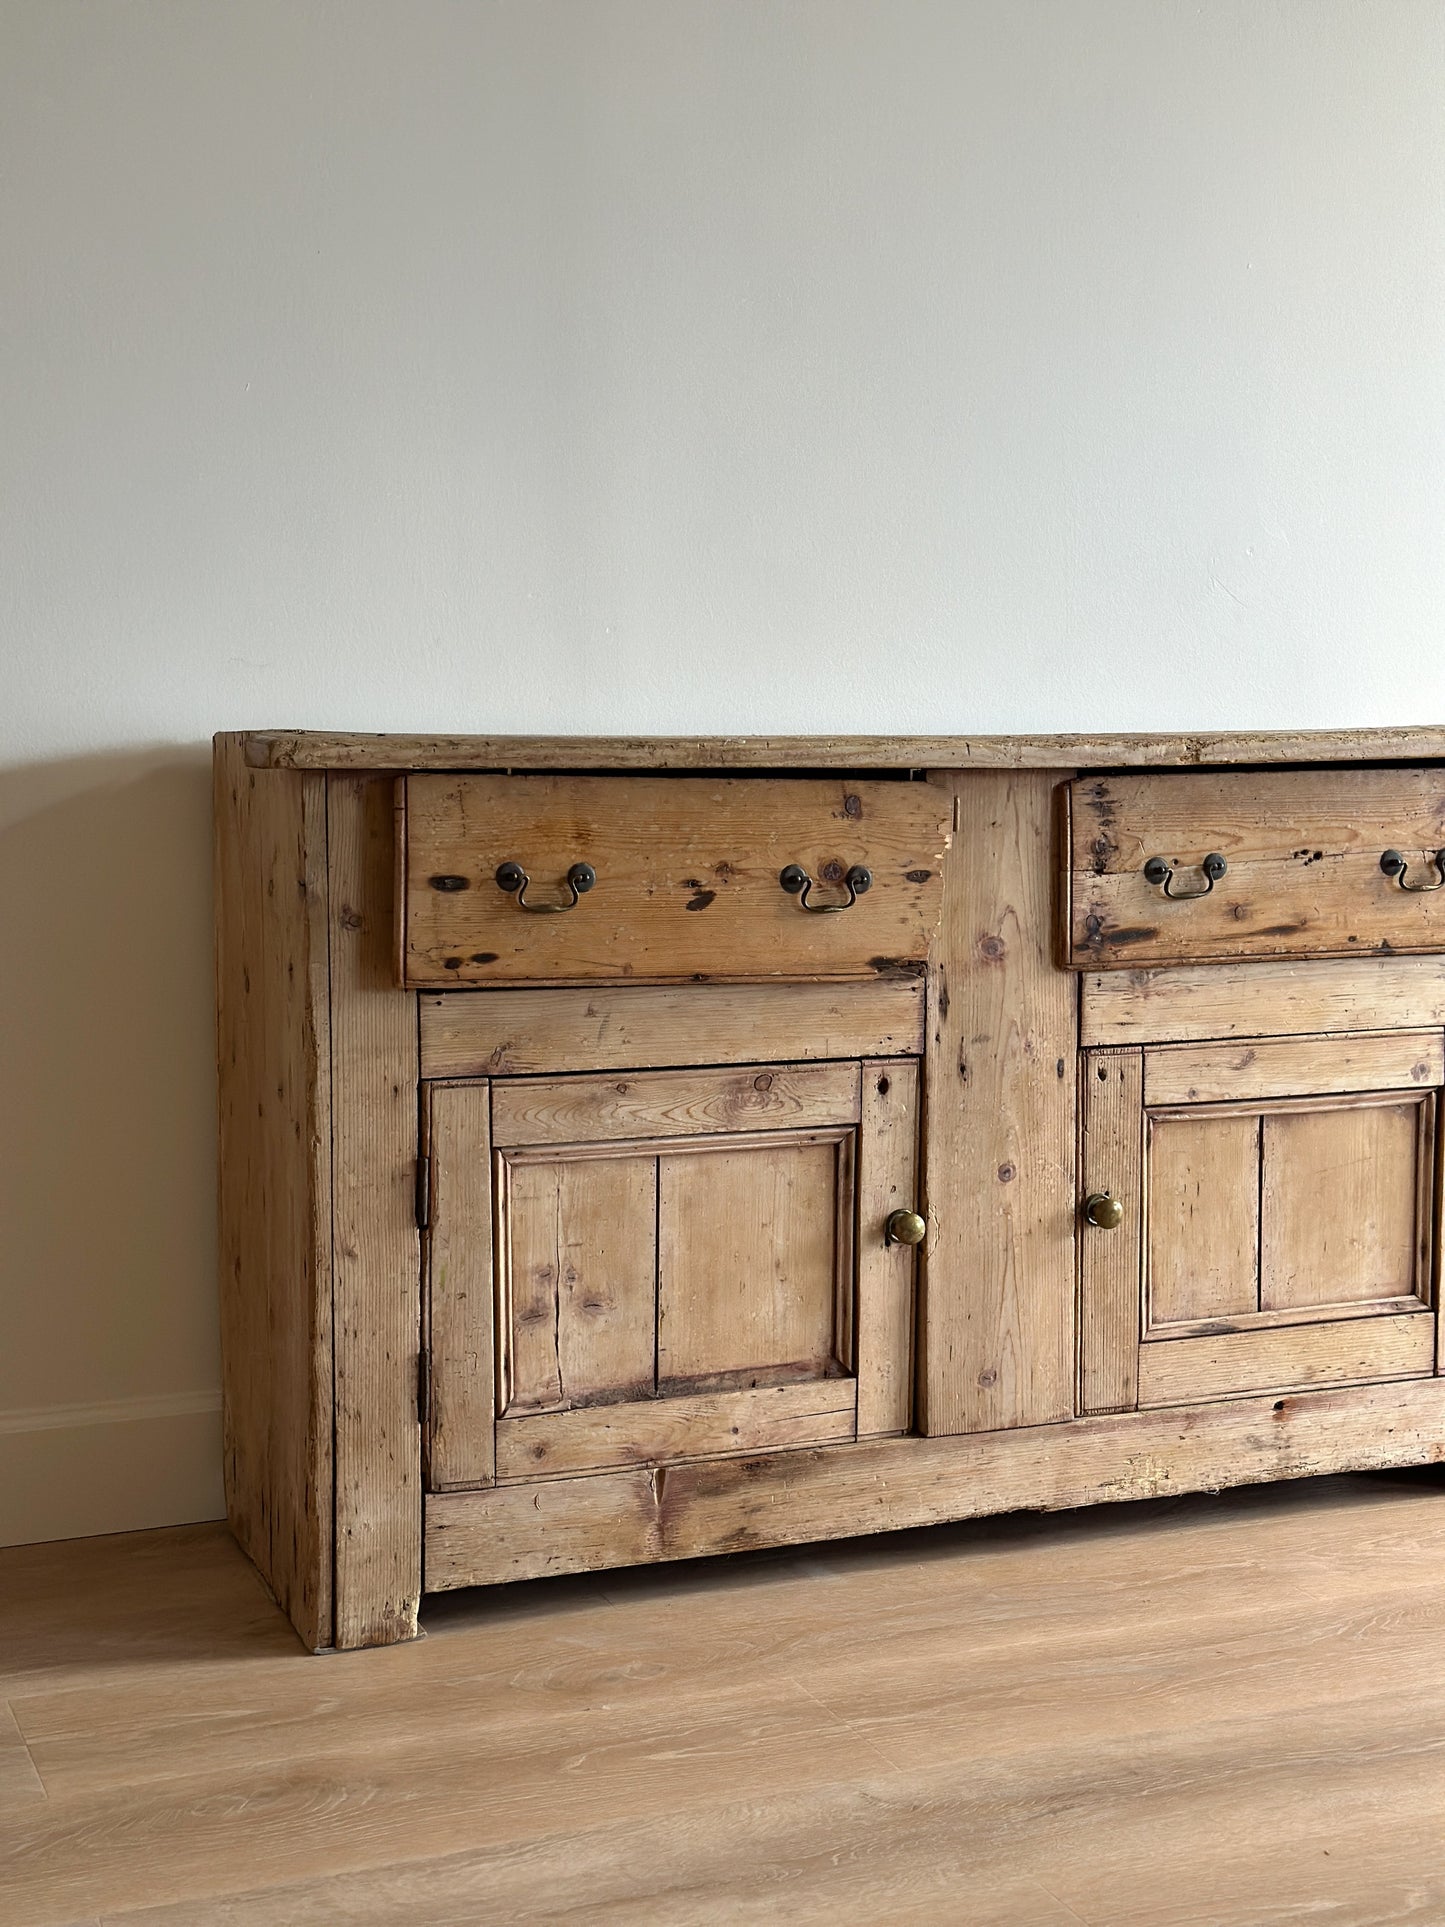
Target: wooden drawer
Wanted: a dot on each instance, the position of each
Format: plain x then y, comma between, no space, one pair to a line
1303,875
687,878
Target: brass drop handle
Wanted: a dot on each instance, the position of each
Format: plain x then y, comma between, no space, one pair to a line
796,881
905,1228
1104,1210
512,878
1394,865
1160,872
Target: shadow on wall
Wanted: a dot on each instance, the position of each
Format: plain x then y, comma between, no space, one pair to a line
109,1412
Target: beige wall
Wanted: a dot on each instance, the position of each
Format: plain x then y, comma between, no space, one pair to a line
636,364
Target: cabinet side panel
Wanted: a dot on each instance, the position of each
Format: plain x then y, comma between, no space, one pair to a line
1000,1108
273,1051
377,1272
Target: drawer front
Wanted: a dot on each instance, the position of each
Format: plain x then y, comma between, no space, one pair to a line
1302,871
684,884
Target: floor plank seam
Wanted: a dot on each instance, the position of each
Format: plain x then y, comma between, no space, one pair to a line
848,1726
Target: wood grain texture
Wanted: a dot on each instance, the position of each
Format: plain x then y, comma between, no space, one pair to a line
673,1104
528,1032
461,1344
888,1181
377,1251
998,1275
1295,1357
1203,1216
880,1485
1194,1002
19,1781
577,1275
686,878
1303,849
1293,1067
1215,1712
273,1055
1111,1263
330,749
755,1258
1345,1203
762,1418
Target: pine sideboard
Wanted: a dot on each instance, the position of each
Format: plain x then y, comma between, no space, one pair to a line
632,1150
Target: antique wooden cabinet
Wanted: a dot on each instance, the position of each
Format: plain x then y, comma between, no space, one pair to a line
632,1150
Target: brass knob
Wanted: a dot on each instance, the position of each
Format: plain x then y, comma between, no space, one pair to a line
905,1228
1104,1210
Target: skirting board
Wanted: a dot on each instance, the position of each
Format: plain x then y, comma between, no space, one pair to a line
73,1471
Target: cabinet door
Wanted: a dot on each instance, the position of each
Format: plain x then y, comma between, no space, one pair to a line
665,1265
1278,1214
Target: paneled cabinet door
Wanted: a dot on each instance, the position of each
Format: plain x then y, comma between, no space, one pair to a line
643,1267
1259,1216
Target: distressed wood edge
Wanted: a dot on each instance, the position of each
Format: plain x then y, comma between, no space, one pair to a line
338,750
303,1584
653,1515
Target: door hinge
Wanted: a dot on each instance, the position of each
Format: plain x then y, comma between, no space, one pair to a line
423,1193
423,1387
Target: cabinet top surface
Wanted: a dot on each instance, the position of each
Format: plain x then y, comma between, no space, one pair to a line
323,749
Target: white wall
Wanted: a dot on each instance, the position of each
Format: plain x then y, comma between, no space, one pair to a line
637,365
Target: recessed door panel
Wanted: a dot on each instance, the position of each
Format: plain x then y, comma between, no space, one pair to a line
1203,1177
1341,1193
577,1276
754,1270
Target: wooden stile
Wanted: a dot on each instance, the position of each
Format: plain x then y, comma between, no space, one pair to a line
273,1048
377,1276
998,1320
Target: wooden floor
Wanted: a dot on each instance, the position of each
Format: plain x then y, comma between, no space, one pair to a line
1225,1711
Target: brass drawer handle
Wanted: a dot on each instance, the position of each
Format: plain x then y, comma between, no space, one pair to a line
1394,865
796,881
512,878
1161,873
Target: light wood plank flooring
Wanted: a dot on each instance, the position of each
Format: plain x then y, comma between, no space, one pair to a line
1226,1712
